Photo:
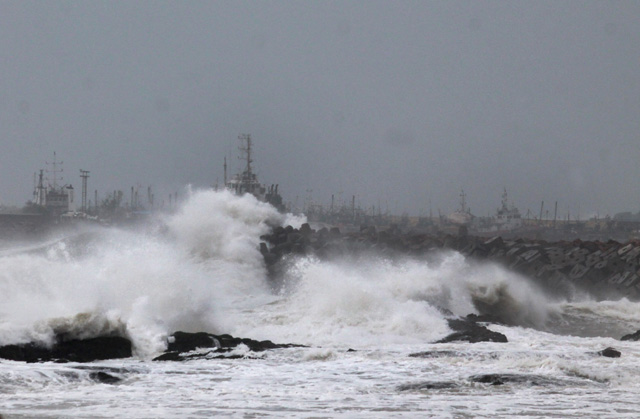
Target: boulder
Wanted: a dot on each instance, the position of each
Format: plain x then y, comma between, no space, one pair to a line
77,350
610,353
632,336
182,342
468,331
104,378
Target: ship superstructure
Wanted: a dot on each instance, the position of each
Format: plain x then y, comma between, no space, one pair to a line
507,216
57,200
463,215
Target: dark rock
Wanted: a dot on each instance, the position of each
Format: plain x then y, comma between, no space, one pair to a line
468,331
632,336
84,350
500,379
604,270
428,385
495,242
170,356
434,354
88,350
610,353
104,378
177,356
484,318
27,352
183,342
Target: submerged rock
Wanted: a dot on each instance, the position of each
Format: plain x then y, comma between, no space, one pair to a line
428,385
104,378
435,354
500,379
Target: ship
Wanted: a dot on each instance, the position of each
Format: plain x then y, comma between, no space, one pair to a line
506,220
462,216
246,182
55,200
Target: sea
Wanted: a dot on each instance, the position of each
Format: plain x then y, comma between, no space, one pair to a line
368,324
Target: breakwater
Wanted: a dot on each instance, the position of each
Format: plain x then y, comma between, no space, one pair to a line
604,270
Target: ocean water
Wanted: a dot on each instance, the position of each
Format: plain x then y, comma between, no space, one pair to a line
362,319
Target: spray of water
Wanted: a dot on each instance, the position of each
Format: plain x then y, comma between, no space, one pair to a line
141,284
202,271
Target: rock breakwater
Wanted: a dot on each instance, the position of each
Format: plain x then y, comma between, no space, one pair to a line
603,269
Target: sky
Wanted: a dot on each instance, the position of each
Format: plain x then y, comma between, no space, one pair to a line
399,103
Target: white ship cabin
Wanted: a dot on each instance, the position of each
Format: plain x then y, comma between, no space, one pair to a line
508,217
246,183
60,200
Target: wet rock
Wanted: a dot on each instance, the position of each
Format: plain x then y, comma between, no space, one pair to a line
182,342
632,336
428,385
604,270
484,318
184,356
77,350
185,342
104,378
435,354
170,356
610,353
468,331
500,379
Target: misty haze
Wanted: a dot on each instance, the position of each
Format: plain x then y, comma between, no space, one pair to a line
400,104
319,209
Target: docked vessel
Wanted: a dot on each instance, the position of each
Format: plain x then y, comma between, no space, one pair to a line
463,215
247,180
506,220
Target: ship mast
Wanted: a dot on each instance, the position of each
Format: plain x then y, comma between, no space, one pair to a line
55,171
40,198
246,149
225,172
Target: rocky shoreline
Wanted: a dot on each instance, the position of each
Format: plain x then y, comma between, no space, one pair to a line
603,269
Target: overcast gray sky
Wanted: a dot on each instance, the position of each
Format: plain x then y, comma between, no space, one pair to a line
401,103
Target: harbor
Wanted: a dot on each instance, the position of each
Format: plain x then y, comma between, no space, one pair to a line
54,203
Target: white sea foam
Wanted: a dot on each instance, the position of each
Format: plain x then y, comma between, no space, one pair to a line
148,285
375,301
